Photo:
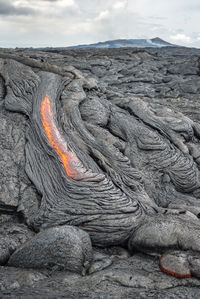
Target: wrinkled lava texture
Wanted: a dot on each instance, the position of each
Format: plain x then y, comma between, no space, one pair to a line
107,141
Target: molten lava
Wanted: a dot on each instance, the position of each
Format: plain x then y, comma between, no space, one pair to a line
69,159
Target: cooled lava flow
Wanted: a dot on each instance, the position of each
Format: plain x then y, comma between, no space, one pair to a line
73,166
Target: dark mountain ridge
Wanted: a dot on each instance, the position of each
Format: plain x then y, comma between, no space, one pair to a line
119,43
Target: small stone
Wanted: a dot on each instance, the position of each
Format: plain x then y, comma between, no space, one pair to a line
176,264
15,285
100,262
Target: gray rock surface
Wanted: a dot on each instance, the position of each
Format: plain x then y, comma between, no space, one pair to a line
12,235
136,277
166,78
12,159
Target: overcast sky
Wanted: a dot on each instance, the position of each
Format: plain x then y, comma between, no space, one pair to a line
25,23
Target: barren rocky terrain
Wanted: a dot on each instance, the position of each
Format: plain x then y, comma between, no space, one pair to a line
167,78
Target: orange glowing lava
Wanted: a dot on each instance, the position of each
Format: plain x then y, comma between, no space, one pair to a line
70,161
177,275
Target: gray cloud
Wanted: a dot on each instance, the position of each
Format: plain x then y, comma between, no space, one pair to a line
71,22
48,0
8,9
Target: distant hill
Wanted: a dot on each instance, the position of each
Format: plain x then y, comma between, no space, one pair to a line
120,43
125,43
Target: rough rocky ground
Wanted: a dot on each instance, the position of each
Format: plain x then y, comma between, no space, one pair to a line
168,76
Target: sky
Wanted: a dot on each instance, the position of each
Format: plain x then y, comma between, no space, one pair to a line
57,23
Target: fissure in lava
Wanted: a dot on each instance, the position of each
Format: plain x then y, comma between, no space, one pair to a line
68,158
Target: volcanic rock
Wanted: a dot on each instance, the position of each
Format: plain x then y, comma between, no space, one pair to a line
126,82
66,248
